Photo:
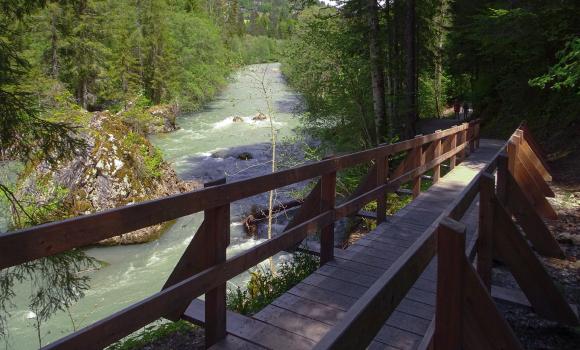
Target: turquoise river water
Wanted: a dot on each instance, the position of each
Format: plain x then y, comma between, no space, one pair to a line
204,148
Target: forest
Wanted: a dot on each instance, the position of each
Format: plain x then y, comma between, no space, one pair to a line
84,84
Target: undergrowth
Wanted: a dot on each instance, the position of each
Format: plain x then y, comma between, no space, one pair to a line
151,334
265,286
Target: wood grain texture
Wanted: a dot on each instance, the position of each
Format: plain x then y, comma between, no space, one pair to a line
533,279
450,261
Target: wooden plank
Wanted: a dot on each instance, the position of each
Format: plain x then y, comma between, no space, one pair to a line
418,161
437,168
252,330
382,172
486,227
309,208
533,226
520,173
233,342
537,150
528,271
327,201
450,267
453,159
214,252
52,238
527,157
398,338
322,296
116,326
427,341
312,309
292,322
483,326
364,319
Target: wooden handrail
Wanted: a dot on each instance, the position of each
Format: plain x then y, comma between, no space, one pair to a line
52,238
363,320
45,240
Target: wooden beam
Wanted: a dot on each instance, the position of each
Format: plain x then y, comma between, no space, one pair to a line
437,168
309,208
485,230
511,248
175,298
364,319
417,162
532,225
382,176
327,202
483,327
453,159
49,239
528,157
541,155
450,267
520,173
217,230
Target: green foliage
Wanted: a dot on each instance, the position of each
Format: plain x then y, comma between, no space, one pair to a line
565,74
152,334
264,286
521,59
327,62
256,49
153,160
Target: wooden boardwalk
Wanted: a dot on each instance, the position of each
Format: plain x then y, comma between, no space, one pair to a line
382,292
302,316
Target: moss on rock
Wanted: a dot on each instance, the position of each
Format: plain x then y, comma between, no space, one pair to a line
118,167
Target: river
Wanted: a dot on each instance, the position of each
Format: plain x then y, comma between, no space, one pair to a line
204,148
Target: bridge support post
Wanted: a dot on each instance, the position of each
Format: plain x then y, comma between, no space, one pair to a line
437,154
466,316
217,221
450,256
327,202
382,174
485,230
417,161
453,159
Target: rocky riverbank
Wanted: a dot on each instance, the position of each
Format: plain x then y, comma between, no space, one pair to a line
117,167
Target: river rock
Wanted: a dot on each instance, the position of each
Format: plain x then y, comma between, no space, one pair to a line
260,116
237,119
113,170
164,117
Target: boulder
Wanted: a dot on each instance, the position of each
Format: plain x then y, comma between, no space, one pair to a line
113,171
237,119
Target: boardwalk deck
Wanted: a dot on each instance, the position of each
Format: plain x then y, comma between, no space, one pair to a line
310,309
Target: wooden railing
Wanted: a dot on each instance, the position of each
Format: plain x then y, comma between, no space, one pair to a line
203,269
466,316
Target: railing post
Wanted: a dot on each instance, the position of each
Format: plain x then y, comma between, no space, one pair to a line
417,154
512,151
327,202
502,178
465,151
451,263
453,158
486,228
382,175
437,154
477,136
472,137
217,221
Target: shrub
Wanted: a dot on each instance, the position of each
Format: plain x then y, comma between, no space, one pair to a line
265,286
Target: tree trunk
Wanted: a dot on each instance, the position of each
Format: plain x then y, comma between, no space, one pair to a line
377,74
411,68
53,46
